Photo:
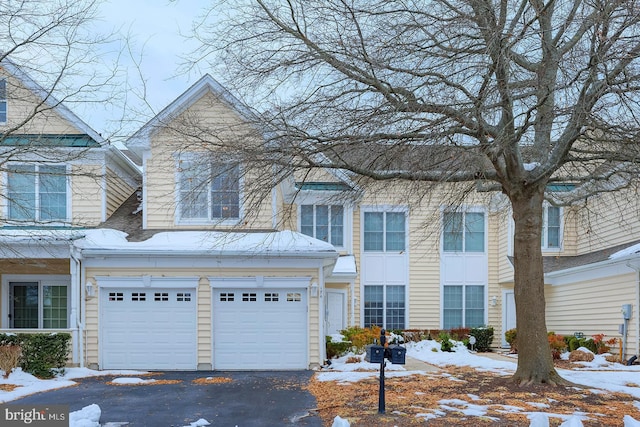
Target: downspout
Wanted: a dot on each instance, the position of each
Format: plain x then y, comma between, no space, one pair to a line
321,316
76,284
637,316
352,317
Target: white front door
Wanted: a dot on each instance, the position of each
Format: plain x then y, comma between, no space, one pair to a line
508,315
148,328
260,329
336,312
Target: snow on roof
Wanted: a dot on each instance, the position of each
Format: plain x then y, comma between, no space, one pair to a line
216,242
345,266
626,252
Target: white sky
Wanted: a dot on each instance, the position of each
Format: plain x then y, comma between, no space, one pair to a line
156,31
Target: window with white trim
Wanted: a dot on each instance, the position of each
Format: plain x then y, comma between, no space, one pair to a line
384,231
463,306
208,191
324,222
551,227
3,100
463,232
37,193
38,305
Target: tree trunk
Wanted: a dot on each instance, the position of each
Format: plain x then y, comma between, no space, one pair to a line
535,363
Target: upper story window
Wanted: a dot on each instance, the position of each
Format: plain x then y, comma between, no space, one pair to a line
3,100
551,230
384,231
209,191
324,222
463,232
37,193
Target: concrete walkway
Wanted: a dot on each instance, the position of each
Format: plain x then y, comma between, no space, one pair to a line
412,364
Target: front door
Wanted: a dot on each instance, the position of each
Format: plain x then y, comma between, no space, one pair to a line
508,315
335,312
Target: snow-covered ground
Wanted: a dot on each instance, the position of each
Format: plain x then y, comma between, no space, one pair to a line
599,374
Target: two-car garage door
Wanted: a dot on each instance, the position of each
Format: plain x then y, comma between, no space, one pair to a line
156,328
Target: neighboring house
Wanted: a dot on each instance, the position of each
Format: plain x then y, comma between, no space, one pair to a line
58,178
211,265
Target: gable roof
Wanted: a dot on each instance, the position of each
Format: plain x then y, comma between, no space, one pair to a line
88,136
140,140
50,100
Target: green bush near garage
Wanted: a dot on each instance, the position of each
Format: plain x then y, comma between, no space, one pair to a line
42,353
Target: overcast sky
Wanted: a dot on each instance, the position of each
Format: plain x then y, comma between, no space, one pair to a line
154,28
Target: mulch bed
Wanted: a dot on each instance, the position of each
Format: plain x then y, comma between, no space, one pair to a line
408,397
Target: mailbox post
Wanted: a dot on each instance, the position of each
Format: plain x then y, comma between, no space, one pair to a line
377,353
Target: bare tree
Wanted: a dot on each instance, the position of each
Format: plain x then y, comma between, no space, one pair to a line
507,95
50,57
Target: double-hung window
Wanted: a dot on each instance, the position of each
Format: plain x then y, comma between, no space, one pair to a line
38,304
209,191
324,222
463,232
3,100
551,227
463,306
385,304
37,193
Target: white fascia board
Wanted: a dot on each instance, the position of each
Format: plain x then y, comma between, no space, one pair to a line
147,281
598,270
169,261
260,282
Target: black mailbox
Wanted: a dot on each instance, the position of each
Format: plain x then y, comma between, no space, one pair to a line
375,353
398,354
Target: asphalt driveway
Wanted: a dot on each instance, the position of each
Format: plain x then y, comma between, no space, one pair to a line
249,399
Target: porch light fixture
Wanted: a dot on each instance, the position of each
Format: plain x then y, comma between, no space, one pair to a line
494,301
89,288
314,289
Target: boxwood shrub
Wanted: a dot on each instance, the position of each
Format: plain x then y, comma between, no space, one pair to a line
484,338
42,353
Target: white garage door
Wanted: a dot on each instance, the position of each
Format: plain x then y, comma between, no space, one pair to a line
260,329
148,328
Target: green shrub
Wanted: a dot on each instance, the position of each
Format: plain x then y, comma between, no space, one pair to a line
42,353
484,337
445,341
337,349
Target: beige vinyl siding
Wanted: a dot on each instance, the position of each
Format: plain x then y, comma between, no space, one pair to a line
86,190
357,247
495,255
608,220
117,192
593,307
204,321
21,104
424,268
169,143
204,333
